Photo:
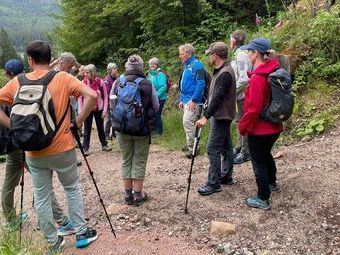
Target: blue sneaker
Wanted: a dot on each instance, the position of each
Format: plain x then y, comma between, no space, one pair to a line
207,190
66,230
85,239
258,203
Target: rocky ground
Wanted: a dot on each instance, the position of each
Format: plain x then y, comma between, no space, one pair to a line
304,219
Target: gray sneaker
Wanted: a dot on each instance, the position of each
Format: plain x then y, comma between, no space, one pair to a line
106,148
56,248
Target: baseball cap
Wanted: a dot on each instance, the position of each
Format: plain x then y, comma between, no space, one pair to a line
259,44
220,48
15,66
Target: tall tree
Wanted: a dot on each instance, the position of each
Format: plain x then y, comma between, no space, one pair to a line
7,50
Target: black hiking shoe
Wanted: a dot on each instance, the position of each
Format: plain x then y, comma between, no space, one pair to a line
207,190
273,187
241,158
138,201
227,181
85,239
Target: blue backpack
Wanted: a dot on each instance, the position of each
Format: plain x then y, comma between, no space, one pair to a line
127,115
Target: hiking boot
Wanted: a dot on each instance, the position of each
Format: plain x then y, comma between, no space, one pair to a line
14,225
236,151
138,201
85,239
227,180
86,153
56,248
273,187
241,158
128,200
207,190
256,202
185,148
106,148
67,229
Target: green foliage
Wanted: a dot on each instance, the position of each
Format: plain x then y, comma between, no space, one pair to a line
7,50
97,31
3,78
316,110
311,41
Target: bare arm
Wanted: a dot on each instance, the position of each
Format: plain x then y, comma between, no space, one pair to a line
90,98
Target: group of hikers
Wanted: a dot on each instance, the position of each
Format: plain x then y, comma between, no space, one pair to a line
129,106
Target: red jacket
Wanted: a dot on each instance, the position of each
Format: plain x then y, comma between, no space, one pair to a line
257,96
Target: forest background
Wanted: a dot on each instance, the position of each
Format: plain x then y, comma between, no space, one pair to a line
102,31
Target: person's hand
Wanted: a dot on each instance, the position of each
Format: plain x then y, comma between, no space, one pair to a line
79,123
201,122
104,114
192,106
181,105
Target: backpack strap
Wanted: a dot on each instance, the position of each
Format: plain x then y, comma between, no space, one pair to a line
45,80
63,117
139,80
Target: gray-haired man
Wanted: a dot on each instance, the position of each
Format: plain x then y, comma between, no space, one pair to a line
241,65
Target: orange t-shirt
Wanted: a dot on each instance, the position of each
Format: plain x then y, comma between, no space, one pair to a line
62,86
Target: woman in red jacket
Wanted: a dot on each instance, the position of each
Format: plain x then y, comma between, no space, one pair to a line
261,134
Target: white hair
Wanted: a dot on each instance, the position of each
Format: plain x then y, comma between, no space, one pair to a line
91,68
67,57
188,48
154,60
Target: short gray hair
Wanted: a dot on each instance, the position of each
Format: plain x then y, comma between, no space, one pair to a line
111,66
67,57
91,68
188,48
154,60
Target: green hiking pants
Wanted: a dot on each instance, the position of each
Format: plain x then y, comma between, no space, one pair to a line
12,179
135,152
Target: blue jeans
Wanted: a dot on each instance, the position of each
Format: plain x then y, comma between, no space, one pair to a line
65,164
159,122
220,152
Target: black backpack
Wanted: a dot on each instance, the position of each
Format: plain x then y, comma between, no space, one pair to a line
33,120
6,145
281,104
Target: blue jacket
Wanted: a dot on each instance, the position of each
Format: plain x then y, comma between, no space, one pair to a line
158,80
192,82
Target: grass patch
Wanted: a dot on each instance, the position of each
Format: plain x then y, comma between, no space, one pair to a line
32,243
317,110
173,137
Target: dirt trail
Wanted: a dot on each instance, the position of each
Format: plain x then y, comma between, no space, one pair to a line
305,215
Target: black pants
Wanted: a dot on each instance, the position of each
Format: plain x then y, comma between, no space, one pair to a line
88,126
264,167
220,152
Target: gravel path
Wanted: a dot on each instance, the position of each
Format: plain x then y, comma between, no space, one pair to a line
304,219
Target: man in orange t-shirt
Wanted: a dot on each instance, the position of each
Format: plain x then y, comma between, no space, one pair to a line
60,155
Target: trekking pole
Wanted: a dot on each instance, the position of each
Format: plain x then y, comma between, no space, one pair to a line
76,135
194,150
22,195
196,142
